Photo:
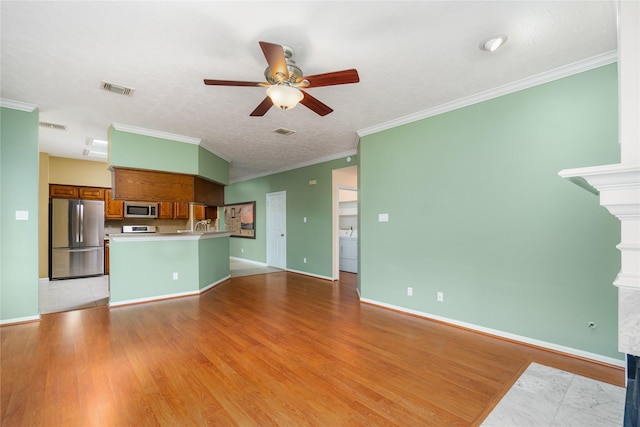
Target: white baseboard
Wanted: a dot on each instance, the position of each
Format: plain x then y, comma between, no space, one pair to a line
306,273
502,334
167,296
250,261
214,284
20,320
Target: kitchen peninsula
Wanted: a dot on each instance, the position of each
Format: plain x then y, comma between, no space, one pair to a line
147,267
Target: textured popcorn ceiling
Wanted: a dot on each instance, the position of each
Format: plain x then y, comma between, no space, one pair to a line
411,56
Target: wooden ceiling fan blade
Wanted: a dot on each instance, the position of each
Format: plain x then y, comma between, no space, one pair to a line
315,105
334,78
231,83
262,109
274,53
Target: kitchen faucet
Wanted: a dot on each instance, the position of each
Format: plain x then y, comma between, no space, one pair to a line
204,222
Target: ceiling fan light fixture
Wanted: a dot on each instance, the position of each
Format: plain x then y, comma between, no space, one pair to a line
493,43
284,97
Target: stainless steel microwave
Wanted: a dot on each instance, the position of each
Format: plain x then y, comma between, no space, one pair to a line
140,210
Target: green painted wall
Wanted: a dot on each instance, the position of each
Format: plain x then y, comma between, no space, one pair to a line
212,167
19,192
213,260
311,240
133,150
145,269
477,211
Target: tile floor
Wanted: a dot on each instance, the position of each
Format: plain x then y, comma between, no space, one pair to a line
548,397
240,267
73,294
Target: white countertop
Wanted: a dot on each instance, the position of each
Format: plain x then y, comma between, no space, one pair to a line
143,237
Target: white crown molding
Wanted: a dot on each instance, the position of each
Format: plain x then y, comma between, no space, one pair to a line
529,82
166,135
17,105
298,165
217,153
155,133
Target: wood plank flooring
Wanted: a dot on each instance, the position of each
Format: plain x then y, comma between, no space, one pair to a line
275,349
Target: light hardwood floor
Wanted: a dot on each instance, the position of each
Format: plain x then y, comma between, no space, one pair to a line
273,349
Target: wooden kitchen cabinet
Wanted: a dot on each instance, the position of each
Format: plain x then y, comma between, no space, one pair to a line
173,210
57,191
180,210
151,186
165,210
91,193
199,212
113,209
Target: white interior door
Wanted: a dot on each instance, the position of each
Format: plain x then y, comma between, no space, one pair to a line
276,229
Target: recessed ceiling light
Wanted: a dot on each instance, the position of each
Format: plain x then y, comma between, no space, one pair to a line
98,143
93,153
493,43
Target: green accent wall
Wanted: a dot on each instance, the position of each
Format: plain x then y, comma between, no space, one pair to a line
144,269
133,150
18,192
477,211
312,240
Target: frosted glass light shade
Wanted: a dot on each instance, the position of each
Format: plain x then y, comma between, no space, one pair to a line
284,97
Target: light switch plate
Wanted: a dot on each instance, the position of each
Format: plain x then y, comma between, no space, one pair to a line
383,217
22,215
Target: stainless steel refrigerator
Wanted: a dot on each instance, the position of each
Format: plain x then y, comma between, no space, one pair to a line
76,238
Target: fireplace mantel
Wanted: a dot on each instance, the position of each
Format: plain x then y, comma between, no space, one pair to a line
618,186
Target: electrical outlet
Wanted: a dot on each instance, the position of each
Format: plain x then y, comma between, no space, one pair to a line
440,296
410,292
304,260
304,219
175,276
241,250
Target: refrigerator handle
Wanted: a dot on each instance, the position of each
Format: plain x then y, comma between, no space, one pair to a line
81,223
77,223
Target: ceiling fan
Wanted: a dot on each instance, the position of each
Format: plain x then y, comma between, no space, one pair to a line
285,80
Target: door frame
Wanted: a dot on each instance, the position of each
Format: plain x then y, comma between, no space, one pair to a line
336,228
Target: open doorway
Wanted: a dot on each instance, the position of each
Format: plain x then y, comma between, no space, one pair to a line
345,220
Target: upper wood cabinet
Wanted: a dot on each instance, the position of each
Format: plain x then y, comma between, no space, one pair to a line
199,212
173,210
91,193
181,210
113,209
153,186
57,191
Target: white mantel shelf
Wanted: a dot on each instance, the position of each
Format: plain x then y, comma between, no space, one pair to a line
618,186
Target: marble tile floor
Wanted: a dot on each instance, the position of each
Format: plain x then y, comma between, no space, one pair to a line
240,267
548,397
72,294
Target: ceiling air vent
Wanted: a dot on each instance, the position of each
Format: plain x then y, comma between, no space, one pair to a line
52,126
284,131
122,90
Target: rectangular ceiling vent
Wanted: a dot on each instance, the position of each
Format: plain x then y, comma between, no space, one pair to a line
52,126
122,90
284,131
